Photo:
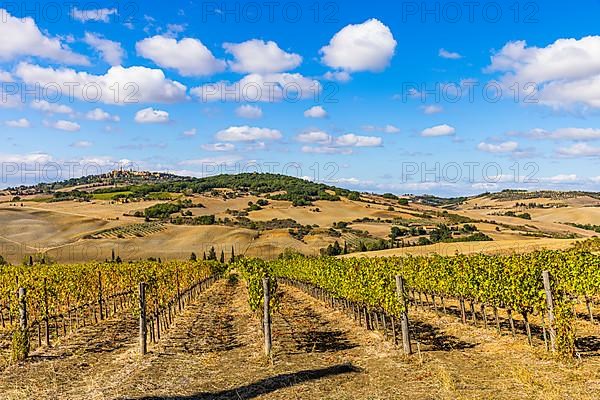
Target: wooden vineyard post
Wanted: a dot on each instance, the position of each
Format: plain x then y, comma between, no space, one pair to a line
544,332
497,319
178,291
511,321
46,322
463,314
527,327
404,316
157,314
550,304
385,333
267,316
473,313
485,322
143,330
100,295
588,304
23,350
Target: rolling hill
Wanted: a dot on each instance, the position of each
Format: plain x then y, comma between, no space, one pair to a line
266,214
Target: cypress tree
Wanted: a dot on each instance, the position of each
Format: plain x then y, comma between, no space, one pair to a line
212,255
337,250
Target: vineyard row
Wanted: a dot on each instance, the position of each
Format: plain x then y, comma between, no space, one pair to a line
56,300
513,283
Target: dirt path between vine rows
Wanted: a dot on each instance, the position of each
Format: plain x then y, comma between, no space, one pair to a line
214,351
63,371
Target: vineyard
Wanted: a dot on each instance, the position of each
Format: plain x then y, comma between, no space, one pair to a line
129,231
539,295
513,282
59,299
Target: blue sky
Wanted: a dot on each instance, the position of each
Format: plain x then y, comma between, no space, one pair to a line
407,97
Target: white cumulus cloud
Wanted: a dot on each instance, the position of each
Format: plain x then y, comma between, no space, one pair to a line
315,112
504,147
258,56
563,134
249,111
247,134
324,143
353,140
51,108
369,46
118,86
389,128
449,54
264,88
30,158
18,123
22,37
579,150
564,73
439,130
111,52
339,76
63,125
432,109
188,56
98,114
319,137
561,178
94,15
151,116
5,76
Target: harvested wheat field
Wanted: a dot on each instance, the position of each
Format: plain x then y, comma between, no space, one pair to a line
173,242
495,247
214,351
41,229
328,212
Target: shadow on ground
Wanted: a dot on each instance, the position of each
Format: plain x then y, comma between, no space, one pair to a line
588,346
435,339
264,386
324,341
311,334
93,339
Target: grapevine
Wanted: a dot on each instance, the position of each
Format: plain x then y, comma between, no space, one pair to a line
57,290
509,281
253,271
